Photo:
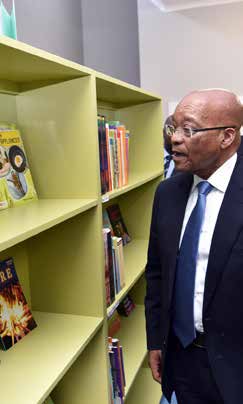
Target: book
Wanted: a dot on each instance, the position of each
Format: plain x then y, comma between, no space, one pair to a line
115,263
16,184
106,221
16,319
117,349
119,245
104,174
107,280
126,306
109,270
114,324
117,223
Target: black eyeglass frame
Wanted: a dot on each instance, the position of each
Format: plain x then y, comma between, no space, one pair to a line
193,131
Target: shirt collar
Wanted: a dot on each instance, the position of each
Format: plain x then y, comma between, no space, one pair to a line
221,177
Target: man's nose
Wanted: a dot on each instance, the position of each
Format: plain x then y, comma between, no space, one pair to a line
177,137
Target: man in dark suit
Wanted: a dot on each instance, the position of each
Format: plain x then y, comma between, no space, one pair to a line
194,273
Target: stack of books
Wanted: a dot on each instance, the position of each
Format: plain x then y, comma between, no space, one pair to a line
117,373
114,154
115,236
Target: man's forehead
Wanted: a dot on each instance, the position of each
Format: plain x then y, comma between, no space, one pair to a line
191,107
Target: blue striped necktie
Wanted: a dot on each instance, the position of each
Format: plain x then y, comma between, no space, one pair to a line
167,160
183,302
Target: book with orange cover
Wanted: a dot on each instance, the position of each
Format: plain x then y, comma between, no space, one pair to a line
16,319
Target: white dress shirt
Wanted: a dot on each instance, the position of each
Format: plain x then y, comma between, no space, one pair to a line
220,180
171,166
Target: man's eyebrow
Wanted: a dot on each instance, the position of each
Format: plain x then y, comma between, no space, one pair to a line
188,119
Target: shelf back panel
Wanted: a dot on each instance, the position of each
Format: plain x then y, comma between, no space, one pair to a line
145,125
66,273
87,380
59,129
8,111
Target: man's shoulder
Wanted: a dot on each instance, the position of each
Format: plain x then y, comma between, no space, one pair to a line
170,184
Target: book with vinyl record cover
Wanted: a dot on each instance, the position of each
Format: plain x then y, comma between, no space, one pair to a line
16,184
16,319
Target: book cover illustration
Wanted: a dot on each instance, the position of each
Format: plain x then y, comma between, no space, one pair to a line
117,223
16,319
16,184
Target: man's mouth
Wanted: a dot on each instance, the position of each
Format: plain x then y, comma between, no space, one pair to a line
177,154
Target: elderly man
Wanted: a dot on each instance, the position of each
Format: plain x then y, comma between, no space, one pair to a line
194,272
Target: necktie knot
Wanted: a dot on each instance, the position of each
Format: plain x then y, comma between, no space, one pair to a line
204,187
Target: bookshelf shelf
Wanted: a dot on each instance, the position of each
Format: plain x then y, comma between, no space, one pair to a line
145,390
27,220
135,181
56,242
133,341
38,362
23,64
135,260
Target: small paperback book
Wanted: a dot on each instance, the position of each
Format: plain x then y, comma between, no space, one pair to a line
16,319
117,223
16,184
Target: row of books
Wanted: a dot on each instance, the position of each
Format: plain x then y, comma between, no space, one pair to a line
16,184
115,236
114,154
114,265
117,373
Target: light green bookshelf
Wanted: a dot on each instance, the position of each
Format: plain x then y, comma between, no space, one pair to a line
56,242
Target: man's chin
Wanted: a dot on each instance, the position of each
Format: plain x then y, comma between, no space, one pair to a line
183,167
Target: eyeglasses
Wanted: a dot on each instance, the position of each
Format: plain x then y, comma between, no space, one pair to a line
189,132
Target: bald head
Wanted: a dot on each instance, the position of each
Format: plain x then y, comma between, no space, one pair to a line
217,105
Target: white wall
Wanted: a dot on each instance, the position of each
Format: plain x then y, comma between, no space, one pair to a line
110,38
190,49
52,25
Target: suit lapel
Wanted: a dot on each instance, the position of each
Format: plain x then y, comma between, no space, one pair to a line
225,233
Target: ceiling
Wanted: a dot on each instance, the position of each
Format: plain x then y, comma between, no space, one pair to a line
174,5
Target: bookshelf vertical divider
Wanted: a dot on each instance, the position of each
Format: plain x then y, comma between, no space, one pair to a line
56,241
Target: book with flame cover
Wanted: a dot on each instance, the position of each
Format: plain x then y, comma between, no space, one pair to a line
16,319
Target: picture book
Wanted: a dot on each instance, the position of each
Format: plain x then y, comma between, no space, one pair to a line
16,184
117,223
16,319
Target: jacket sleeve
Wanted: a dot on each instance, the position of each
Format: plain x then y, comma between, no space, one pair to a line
153,279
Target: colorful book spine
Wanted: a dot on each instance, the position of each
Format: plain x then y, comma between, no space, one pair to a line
107,279
109,158
127,141
115,253
116,347
110,266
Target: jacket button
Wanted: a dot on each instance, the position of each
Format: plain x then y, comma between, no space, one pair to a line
164,343
222,334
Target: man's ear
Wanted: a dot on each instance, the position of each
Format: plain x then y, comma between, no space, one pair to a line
228,137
